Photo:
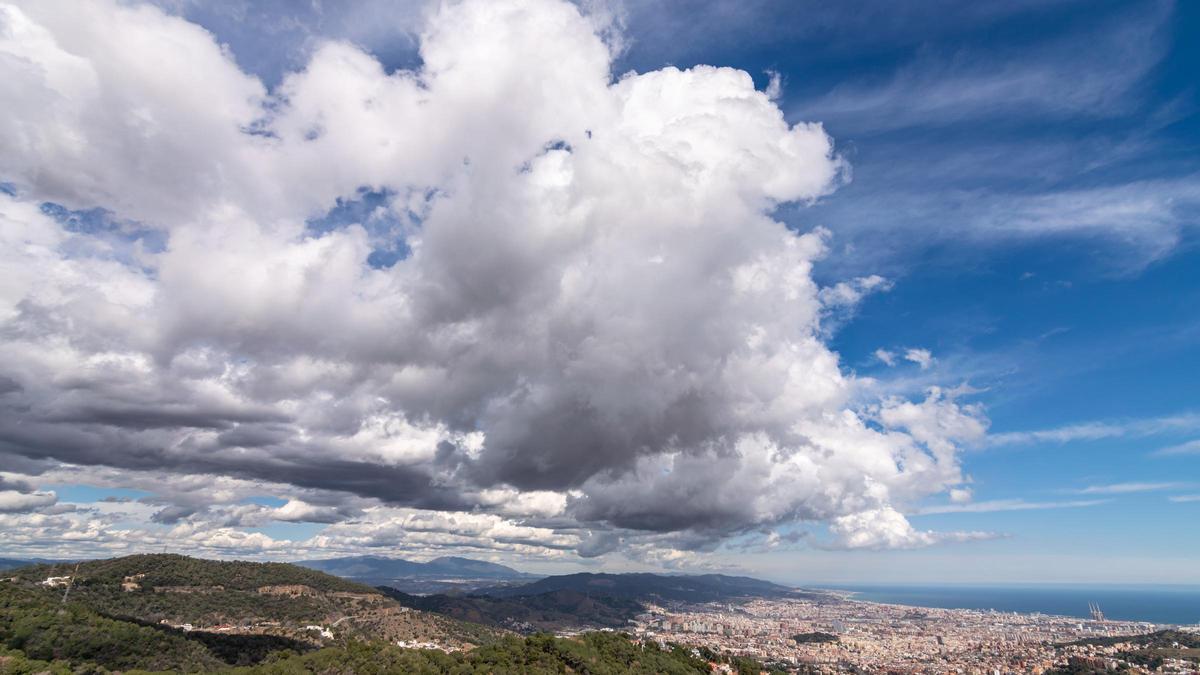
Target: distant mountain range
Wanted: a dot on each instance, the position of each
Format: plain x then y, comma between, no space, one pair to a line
448,573
500,596
649,587
13,563
586,600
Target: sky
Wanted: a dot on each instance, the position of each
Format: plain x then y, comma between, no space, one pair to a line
816,292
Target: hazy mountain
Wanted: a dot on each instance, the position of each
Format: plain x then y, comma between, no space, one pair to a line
14,563
377,567
644,586
475,569
441,575
365,567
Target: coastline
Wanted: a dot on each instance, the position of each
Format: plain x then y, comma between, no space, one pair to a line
1157,605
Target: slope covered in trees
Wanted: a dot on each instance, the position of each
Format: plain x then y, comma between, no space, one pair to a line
41,627
171,570
591,654
251,601
41,634
551,611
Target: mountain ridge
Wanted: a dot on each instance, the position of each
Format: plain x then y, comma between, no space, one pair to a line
649,586
379,567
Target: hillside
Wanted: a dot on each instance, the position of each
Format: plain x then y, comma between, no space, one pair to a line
171,612
649,587
545,612
40,626
591,653
279,600
1163,639
111,621
598,653
1148,651
172,570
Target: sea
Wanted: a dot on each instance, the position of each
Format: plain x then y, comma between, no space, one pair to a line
1179,605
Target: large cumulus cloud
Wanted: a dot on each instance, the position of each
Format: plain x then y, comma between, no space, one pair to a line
596,326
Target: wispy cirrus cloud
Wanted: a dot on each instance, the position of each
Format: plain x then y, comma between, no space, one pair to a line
1060,79
1131,487
1097,430
969,143
997,505
1188,448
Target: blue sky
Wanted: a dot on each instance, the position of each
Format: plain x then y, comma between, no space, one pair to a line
1025,176
1098,323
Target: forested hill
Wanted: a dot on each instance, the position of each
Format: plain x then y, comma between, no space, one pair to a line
178,614
222,598
169,570
37,625
545,612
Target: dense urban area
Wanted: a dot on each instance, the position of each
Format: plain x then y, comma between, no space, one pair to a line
840,635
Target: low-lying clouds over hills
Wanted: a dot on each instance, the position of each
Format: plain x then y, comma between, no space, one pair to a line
568,325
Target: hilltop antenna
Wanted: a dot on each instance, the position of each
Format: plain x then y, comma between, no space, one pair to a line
70,583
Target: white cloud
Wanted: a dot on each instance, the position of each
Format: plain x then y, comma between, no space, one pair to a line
887,529
774,85
888,358
598,323
1180,499
921,357
12,501
876,529
847,294
961,495
296,510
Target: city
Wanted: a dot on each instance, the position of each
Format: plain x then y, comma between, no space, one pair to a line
839,634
